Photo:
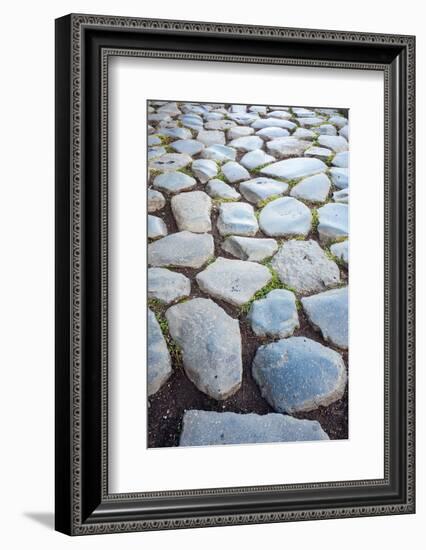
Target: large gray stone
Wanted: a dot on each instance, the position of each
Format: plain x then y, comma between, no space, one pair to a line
227,428
333,221
237,218
270,122
299,374
247,143
340,177
174,182
234,172
192,211
280,114
219,124
275,315
159,362
259,189
318,152
341,196
156,152
338,121
156,227
188,146
211,137
204,169
326,130
167,286
240,131
310,122
192,121
233,281
178,133
219,153
243,118
218,189
341,160
337,143
304,266
256,158
302,112
328,312
344,132
287,146
295,168
249,248
211,346
313,189
341,250
183,249
170,162
156,200
285,217
272,133
304,133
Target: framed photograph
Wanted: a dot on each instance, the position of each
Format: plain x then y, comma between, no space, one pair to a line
234,274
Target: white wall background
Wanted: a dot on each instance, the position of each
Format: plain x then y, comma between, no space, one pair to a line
26,289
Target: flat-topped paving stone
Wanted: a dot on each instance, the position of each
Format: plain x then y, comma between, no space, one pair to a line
275,315
309,122
326,130
243,118
219,124
211,137
305,267
159,363
298,374
313,188
258,189
192,211
341,251
213,116
272,133
256,158
260,109
237,218
340,177
156,227
304,133
177,133
219,153
156,200
218,189
170,108
344,132
201,428
341,196
188,146
270,122
341,160
153,140
280,114
287,146
211,346
240,131
318,152
234,172
328,312
250,248
233,281
166,286
156,152
204,169
295,168
170,162
174,182
285,217
333,221
247,143
337,143
192,120
338,121
182,249
159,117
302,112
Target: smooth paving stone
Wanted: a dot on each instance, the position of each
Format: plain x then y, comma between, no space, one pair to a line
167,124
240,131
192,211
159,117
167,286
269,122
341,196
204,169
233,281
287,146
174,182
244,118
341,251
318,152
156,227
261,109
256,158
298,374
280,114
333,221
272,133
295,168
218,189
201,428
309,122
192,121
153,140
234,172
170,108
156,152
178,133
238,108
326,130
304,266
211,137
314,188
340,177
304,133
328,312
285,217
247,143
338,121
237,218
188,146
258,189
219,124
344,132
337,143
159,362
302,112
341,160
170,162
219,153
183,249
156,200
213,116
275,315
250,249
211,346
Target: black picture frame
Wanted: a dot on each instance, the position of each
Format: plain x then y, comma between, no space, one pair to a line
83,45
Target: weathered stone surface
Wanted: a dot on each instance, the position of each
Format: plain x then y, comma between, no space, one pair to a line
227,428
174,182
313,189
341,160
259,189
341,196
341,250
204,169
192,121
270,122
304,133
156,152
178,133
159,362
219,124
318,152
153,140
338,121
249,248
188,146
156,227
328,312
295,168
299,374
167,286
192,211
302,112
233,281
304,266
274,315
280,114
256,158
234,172
344,132
243,118
213,116
218,189
211,346
272,133
211,137
219,153
285,217
170,162
238,108
340,177
240,131
247,143
156,200
308,122
337,143
183,249
237,218
326,130
333,221
157,117
287,146
170,108
261,109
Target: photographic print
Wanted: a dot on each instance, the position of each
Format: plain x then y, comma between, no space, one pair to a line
248,273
